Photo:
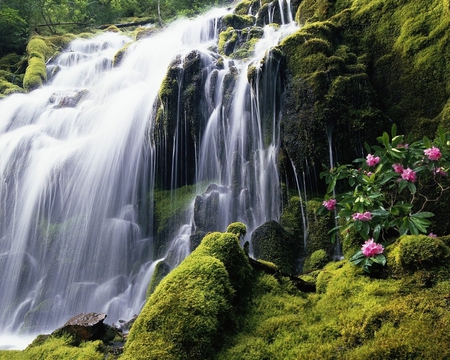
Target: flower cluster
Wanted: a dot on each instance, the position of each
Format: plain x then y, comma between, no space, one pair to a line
366,216
330,204
372,160
433,153
372,207
371,248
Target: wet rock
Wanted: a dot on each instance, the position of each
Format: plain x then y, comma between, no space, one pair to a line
87,327
71,101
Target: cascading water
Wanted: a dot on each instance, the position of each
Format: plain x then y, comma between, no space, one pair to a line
77,164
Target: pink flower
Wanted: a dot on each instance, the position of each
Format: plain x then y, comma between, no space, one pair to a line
371,248
362,216
372,160
440,171
409,175
330,204
398,168
404,146
433,153
432,235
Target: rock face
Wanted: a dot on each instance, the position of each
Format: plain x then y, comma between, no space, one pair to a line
271,242
87,327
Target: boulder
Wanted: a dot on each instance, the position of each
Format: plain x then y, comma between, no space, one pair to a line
87,327
271,242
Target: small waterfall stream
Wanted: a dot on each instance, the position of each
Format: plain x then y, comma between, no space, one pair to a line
77,166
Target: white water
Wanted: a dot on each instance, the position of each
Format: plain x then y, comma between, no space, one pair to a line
75,179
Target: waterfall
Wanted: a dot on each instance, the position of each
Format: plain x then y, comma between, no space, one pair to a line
78,165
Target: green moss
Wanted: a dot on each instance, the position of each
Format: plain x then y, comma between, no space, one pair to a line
53,348
420,252
170,211
316,261
318,228
36,73
238,22
186,316
112,28
227,41
162,269
118,57
238,229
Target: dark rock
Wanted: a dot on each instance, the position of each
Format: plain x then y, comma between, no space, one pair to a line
206,208
87,327
271,242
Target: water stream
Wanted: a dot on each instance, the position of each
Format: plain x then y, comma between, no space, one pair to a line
76,174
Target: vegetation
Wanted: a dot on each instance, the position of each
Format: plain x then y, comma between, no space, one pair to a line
195,306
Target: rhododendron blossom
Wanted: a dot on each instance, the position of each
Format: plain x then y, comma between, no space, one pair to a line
440,171
371,248
432,235
330,204
362,216
409,175
398,168
372,160
433,153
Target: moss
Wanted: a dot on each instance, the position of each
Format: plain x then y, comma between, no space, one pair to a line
36,73
170,212
312,11
291,218
420,252
227,41
112,28
317,260
238,22
53,348
186,316
238,229
318,228
271,242
118,57
162,269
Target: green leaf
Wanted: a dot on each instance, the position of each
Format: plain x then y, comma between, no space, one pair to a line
385,139
426,142
376,232
331,185
379,259
411,187
394,131
367,147
424,214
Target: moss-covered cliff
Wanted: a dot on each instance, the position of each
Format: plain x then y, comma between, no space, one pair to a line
357,66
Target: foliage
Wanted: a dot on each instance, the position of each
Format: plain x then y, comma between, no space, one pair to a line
13,32
388,188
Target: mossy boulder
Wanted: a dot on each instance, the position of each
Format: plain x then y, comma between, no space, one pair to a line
238,229
316,261
416,252
238,22
318,228
193,307
271,242
162,269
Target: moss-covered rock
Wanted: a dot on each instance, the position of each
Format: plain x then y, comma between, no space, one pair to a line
414,252
195,305
238,229
162,269
271,242
316,261
318,228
